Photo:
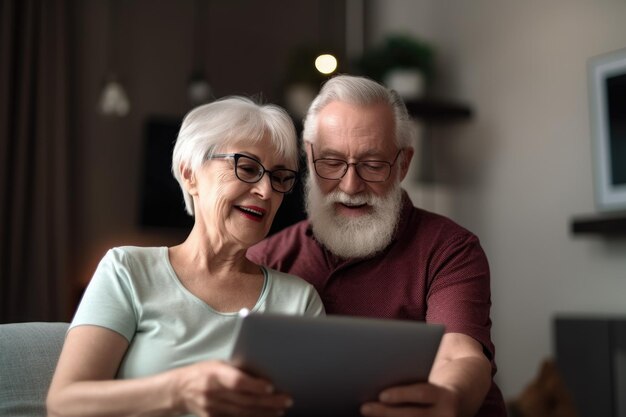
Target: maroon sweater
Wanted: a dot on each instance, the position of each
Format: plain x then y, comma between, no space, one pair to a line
434,270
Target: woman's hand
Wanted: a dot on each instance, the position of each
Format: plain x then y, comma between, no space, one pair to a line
216,389
84,385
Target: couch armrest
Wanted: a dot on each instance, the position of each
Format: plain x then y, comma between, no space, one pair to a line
28,355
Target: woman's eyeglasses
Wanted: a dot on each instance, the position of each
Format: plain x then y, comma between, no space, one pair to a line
248,169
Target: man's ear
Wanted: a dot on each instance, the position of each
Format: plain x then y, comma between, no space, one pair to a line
406,161
189,179
309,157
307,151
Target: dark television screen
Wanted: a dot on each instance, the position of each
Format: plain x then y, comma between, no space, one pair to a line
616,100
607,105
162,203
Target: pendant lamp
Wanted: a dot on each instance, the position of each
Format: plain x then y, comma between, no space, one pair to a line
113,99
198,88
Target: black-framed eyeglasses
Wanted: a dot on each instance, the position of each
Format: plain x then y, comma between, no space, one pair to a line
370,171
248,169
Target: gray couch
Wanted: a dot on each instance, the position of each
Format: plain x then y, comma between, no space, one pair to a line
28,356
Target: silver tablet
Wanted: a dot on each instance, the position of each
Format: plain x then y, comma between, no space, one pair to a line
331,365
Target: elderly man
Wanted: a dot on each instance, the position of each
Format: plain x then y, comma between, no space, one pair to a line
370,252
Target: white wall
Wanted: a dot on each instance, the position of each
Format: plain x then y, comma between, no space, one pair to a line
527,155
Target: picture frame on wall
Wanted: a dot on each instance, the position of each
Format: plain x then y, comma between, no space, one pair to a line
607,100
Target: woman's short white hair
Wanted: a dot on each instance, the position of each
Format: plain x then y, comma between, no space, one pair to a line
209,128
360,91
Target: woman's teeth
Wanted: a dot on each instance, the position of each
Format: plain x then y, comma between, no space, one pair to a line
251,211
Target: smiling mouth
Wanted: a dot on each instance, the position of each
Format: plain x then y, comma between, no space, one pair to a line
353,206
254,213
350,210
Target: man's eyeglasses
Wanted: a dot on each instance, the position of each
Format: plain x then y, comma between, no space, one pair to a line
248,169
370,171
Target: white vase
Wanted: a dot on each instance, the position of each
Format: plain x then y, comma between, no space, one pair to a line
408,82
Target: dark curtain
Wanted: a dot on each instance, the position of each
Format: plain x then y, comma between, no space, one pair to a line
34,160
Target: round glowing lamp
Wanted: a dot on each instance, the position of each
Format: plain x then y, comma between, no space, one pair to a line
326,63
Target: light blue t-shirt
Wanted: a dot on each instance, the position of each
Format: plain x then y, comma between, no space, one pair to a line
136,293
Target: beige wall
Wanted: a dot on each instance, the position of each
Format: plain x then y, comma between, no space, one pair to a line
522,67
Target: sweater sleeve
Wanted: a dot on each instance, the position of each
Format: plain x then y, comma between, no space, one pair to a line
459,295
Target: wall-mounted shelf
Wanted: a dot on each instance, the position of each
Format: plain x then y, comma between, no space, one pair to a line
437,110
608,225
433,111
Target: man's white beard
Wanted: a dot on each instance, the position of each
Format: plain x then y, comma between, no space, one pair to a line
353,237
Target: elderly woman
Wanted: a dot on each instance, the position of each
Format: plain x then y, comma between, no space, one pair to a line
155,324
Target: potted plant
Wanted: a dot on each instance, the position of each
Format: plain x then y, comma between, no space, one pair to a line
401,62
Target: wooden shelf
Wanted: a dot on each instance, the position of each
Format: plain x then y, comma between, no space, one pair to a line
608,225
437,110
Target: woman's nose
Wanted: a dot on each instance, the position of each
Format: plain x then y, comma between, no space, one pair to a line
263,188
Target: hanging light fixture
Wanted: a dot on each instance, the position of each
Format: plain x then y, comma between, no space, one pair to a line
113,99
198,88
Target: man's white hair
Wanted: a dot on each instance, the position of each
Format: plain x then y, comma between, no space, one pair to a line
363,92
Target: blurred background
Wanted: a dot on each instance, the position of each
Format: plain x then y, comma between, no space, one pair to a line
92,94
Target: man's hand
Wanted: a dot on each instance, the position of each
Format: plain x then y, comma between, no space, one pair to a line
414,401
457,384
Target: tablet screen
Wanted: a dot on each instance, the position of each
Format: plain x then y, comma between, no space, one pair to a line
332,365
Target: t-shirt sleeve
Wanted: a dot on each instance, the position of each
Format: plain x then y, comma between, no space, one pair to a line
290,294
315,307
108,299
459,296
